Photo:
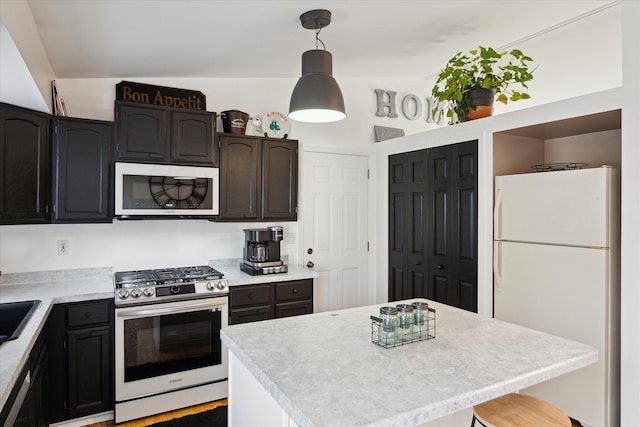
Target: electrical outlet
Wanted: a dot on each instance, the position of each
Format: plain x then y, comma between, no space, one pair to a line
63,247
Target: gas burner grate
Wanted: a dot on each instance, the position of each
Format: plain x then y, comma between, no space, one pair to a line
200,271
166,276
135,276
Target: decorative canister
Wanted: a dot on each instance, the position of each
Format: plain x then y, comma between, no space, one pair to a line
387,330
420,319
234,121
404,332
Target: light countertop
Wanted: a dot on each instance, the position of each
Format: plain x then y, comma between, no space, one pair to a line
323,370
50,288
65,286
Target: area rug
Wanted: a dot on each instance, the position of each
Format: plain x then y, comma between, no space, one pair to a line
216,417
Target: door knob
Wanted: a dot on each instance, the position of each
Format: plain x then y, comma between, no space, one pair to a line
310,264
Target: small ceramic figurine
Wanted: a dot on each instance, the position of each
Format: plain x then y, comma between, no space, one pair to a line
254,126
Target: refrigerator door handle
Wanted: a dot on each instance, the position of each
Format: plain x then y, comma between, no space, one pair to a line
497,266
497,216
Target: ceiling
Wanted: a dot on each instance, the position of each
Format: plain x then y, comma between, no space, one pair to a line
264,38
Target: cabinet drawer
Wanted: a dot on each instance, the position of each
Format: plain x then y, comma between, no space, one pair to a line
88,313
295,290
245,315
297,308
250,295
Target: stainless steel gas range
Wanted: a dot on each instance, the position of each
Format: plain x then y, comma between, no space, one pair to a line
168,353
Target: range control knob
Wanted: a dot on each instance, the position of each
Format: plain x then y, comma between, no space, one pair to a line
123,294
136,293
221,284
148,292
210,286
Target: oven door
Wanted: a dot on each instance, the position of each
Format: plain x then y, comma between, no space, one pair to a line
169,346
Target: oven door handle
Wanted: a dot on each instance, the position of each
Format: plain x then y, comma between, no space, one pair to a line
155,311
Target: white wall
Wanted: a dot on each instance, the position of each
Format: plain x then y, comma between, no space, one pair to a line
124,245
579,58
16,16
145,244
630,243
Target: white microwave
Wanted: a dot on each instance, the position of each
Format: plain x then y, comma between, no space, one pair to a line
164,191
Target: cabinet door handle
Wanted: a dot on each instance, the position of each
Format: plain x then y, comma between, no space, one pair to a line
250,296
310,264
440,267
295,291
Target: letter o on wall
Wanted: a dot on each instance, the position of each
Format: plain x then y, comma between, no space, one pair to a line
411,113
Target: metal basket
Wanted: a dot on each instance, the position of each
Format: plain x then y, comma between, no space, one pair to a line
420,332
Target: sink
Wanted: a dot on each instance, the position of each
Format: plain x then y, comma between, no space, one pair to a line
13,318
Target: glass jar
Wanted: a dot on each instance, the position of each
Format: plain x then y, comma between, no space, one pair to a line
420,319
404,331
387,328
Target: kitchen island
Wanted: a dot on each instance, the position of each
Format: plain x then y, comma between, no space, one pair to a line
323,370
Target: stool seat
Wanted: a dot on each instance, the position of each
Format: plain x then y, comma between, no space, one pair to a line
519,410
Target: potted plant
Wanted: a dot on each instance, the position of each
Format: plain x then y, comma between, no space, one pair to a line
471,81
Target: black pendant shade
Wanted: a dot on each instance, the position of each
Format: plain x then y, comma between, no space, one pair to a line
316,98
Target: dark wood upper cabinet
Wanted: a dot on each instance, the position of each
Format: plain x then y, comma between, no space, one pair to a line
279,179
239,177
81,170
192,137
25,158
258,178
141,133
153,134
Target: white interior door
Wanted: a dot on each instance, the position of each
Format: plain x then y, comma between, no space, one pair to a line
335,228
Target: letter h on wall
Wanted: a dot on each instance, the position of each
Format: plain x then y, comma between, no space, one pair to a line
391,104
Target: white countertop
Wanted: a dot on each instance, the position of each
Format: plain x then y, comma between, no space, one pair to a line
323,370
64,286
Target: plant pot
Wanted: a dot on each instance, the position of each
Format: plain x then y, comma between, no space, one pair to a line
480,101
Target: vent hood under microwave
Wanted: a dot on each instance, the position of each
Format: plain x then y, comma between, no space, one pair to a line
165,191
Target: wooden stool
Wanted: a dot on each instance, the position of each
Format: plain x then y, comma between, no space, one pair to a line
519,410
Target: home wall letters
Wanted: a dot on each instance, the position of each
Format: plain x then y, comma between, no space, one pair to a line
412,107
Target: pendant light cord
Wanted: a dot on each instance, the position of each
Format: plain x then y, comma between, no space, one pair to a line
318,39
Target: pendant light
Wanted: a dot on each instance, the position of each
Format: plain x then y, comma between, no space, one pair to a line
316,98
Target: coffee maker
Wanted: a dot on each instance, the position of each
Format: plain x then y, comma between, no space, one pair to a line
262,251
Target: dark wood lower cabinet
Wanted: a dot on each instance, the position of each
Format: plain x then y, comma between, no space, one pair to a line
265,301
433,221
89,370
32,406
80,342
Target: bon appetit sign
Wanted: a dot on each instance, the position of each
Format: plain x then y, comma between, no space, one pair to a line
161,95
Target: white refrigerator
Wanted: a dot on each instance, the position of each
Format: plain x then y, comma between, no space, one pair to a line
556,269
